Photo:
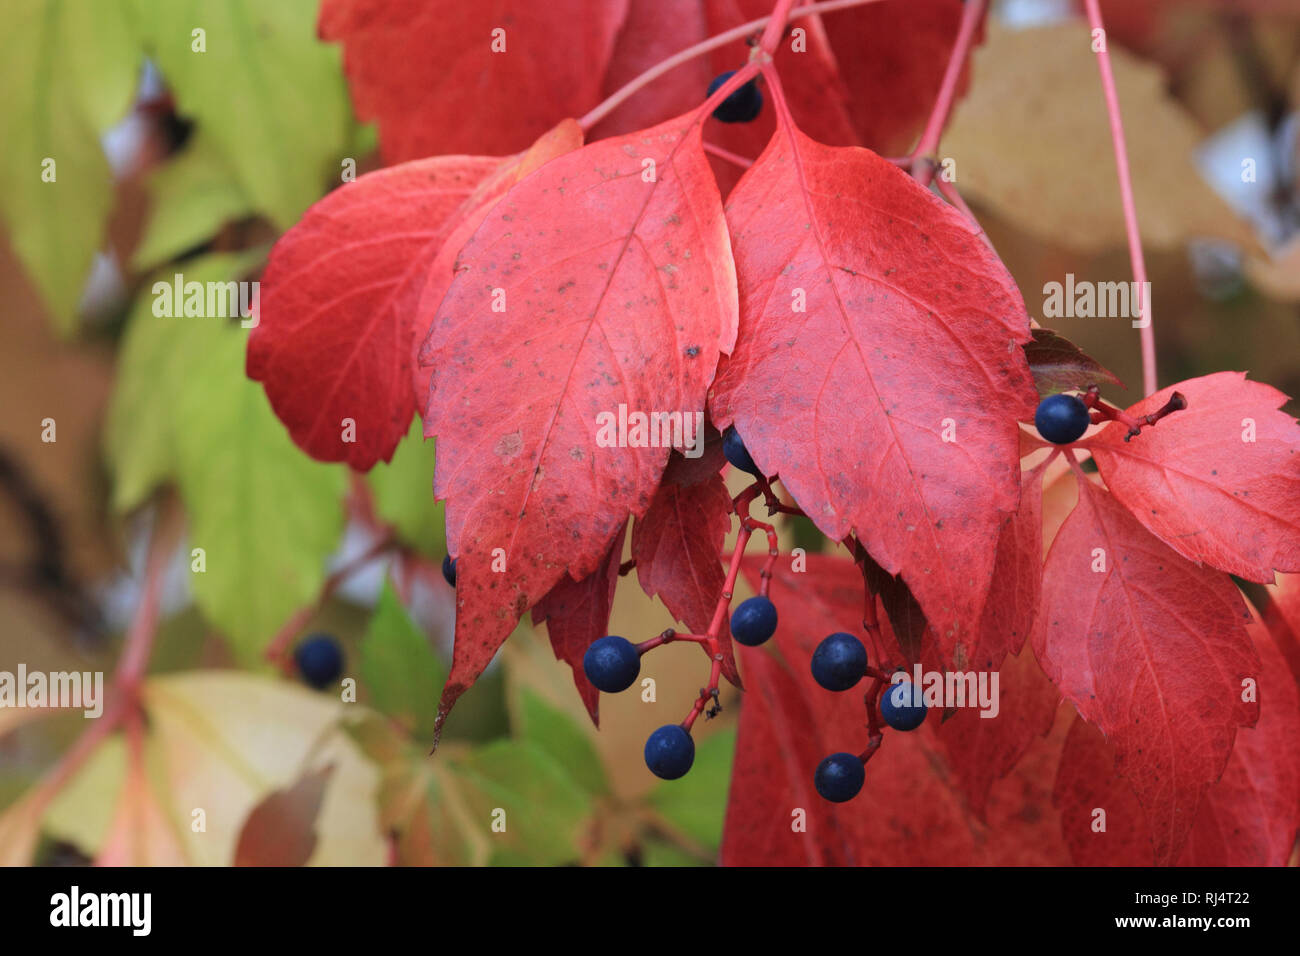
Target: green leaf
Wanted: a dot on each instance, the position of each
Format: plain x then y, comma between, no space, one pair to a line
560,736
70,69
271,95
190,198
155,363
697,803
399,668
545,811
403,490
265,514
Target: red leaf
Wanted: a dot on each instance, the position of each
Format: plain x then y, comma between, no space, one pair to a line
1150,648
1016,588
1086,787
1283,618
910,321
576,614
1249,818
983,749
893,57
1197,484
425,70
615,291
676,546
335,323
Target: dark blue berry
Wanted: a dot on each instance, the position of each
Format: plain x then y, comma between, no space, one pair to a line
449,569
1061,419
839,662
737,453
320,660
669,752
612,664
742,105
754,621
839,777
902,706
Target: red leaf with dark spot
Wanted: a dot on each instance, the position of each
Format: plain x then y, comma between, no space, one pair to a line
910,325
335,324
576,614
426,72
1152,650
592,284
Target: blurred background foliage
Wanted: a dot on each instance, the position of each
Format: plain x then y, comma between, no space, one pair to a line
168,162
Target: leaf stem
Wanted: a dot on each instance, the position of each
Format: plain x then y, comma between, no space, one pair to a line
1145,331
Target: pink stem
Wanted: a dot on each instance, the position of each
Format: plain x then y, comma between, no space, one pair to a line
971,15
1146,332
729,156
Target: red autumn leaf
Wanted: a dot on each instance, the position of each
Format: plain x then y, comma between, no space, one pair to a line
426,71
983,749
893,57
676,545
1014,592
1283,617
1250,817
874,319
1101,819
576,614
1219,482
335,322
1151,649
653,31
1024,827
604,279
564,137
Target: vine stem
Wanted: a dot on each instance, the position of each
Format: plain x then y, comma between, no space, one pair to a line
1145,331
972,15
705,46
123,695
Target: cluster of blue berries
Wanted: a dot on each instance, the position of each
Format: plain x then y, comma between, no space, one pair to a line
613,664
838,664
